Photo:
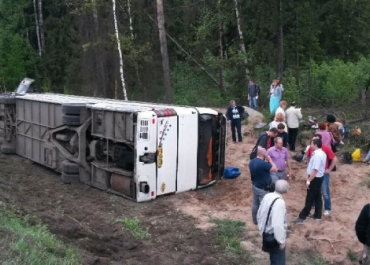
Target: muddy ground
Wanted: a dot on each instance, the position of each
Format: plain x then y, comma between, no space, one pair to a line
87,219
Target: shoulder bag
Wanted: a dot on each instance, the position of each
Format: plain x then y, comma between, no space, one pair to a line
269,242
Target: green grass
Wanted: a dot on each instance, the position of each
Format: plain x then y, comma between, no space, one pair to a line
33,243
307,257
134,227
351,255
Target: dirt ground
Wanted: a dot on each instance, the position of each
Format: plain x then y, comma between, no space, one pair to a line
333,236
86,219
180,225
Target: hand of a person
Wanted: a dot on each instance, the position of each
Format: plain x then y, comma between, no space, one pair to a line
327,171
256,97
268,158
308,184
282,246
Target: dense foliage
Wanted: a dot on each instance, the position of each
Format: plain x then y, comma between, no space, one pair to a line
320,48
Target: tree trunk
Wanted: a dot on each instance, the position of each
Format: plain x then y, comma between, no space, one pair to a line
241,38
41,26
163,42
363,96
130,18
221,67
37,27
280,41
119,51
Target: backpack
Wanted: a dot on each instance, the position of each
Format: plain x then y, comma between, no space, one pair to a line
347,158
255,148
231,172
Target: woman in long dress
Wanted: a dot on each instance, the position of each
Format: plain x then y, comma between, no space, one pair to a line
275,96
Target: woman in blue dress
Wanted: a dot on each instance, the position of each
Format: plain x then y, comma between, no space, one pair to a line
275,96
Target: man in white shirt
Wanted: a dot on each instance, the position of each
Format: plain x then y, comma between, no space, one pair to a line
277,223
281,109
293,115
315,172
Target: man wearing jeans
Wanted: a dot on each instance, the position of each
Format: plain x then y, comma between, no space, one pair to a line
280,155
260,169
315,172
234,115
331,161
253,92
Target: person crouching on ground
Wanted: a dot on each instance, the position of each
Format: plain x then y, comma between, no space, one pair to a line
260,169
234,115
280,156
315,172
276,223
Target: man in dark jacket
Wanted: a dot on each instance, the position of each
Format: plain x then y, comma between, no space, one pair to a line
363,233
253,92
234,114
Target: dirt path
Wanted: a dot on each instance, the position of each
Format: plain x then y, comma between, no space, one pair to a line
86,218
232,199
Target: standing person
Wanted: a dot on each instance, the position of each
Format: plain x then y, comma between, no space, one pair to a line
260,169
326,137
292,117
315,172
281,109
234,114
253,93
279,118
363,233
280,156
333,127
275,96
331,162
282,134
264,138
277,222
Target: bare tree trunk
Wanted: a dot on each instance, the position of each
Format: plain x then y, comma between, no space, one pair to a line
165,61
115,88
130,18
241,38
221,67
41,26
37,27
280,41
119,51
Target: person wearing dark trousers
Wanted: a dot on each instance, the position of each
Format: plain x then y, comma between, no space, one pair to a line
234,115
315,172
293,115
363,233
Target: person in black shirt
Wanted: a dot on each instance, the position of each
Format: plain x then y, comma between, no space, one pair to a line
363,233
253,92
282,134
234,114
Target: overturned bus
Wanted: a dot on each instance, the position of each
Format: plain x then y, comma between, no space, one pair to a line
133,149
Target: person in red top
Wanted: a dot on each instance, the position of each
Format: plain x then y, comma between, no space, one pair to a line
331,161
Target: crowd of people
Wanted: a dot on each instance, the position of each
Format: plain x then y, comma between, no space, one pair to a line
270,168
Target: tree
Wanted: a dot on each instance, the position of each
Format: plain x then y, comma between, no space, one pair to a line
164,52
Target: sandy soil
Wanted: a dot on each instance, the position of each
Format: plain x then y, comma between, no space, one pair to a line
333,236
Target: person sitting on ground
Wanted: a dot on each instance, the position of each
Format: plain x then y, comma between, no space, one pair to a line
363,233
333,128
277,223
281,109
326,137
279,118
260,169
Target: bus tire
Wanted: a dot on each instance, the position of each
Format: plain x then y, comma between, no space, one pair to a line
70,167
7,149
70,178
73,108
7,100
73,120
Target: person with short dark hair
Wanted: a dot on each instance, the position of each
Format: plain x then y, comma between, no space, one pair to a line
234,115
282,134
260,168
293,115
315,172
265,138
254,91
363,233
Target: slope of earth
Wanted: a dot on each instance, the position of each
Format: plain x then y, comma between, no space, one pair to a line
333,237
90,220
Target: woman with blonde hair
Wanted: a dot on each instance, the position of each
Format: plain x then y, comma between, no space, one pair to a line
279,118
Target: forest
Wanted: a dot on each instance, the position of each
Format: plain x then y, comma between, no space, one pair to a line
320,49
